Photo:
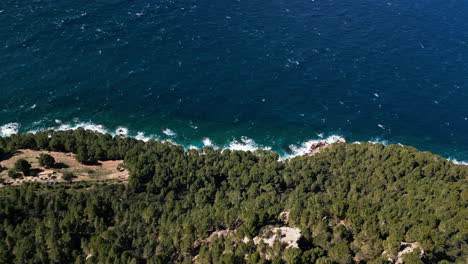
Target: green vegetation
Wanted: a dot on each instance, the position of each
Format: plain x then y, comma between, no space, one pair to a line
46,160
22,165
68,176
351,202
12,173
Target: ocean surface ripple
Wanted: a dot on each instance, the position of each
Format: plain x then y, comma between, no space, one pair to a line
240,74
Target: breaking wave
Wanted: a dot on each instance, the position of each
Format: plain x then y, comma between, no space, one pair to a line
9,129
241,144
304,148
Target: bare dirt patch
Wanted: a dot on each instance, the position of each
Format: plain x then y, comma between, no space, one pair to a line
65,162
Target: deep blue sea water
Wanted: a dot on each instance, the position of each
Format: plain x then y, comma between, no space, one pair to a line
245,73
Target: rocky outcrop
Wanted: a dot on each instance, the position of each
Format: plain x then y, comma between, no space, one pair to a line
406,248
287,235
323,144
220,233
284,217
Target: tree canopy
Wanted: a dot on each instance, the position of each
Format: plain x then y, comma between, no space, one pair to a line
352,203
23,166
46,160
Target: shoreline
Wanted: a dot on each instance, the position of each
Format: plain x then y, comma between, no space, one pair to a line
242,143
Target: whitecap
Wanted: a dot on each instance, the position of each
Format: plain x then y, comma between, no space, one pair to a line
9,129
93,127
207,142
64,127
304,148
141,136
122,131
171,142
85,125
378,141
454,161
169,132
245,144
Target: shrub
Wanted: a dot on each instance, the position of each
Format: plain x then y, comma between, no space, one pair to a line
46,160
68,176
23,166
12,173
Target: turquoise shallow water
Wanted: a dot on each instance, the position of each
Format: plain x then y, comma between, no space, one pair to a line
244,74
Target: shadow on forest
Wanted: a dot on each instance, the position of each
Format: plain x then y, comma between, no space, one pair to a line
34,172
60,165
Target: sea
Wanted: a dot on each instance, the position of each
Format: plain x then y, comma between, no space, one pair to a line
240,74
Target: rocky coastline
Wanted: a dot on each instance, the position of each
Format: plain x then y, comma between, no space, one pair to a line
323,144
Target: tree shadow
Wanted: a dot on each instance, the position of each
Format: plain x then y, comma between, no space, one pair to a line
92,163
7,155
34,172
60,165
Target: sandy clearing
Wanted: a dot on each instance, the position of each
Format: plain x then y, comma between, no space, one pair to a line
65,162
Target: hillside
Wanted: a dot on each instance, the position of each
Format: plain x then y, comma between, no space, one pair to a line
350,203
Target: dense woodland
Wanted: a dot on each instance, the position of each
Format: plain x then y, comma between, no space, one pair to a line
380,195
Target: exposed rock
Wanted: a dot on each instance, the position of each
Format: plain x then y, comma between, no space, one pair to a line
288,235
219,233
323,144
284,216
405,248
120,167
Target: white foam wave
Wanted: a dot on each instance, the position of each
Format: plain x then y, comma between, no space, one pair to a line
242,144
378,141
459,162
141,136
304,148
122,131
173,143
85,125
169,132
207,142
245,144
9,129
